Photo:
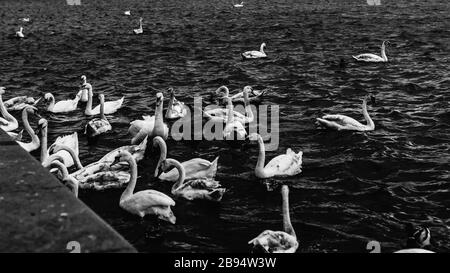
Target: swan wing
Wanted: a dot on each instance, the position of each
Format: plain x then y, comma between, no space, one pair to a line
253,54
151,198
103,180
65,106
340,122
275,242
287,164
137,125
414,250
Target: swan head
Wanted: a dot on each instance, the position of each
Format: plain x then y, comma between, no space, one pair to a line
140,19
122,156
370,98
171,91
101,97
2,90
157,140
159,99
83,78
42,123
48,96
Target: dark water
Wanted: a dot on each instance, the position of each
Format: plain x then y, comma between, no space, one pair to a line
354,187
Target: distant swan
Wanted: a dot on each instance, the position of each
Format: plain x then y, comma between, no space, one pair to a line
110,107
279,241
253,95
63,106
127,12
369,57
8,122
139,30
147,201
176,109
288,164
342,122
239,5
19,33
194,168
35,142
101,125
254,54
150,125
200,188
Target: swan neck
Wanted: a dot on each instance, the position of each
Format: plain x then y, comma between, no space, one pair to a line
44,153
383,52
5,112
370,123
261,155
61,167
230,111
163,154
132,184
75,157
286,215
102,108
30,131
261,48
181,173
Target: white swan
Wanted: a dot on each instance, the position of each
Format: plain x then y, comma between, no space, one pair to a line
279,241
176,109
67,179
372,58
253,95
288,164
20,102
127,12
63,106
220,115
194,168
341,122
110,107
150,125
25,19
144,202
70,141
8,122
83,89
101,125
233,125
255,54
35,142
139,30
239,5
19,34
200,188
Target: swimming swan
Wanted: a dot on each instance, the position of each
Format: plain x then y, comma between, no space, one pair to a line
19,34
63,106
254,54
342,122
288,164
194,168
372,58
110,107
101,125
139,30
8,122
147,201
200,188
253,95
176,109
279,241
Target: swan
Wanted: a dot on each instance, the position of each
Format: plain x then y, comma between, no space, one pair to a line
70,141
151,125
139,30
200,188
233,125
147,201
46,160
20,102
67,179
35,142
341,122
8,122
239,5
19,34
63,106
176,109
127,12
372,58
194,168
255,54
288,164
101,125
279,241
83,90
253,95
26,19
218,116
110,107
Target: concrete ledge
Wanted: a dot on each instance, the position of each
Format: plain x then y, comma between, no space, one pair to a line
39,214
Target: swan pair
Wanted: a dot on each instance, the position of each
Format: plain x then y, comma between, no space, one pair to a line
372,58
345,123
253,95
139,30
255,54
279,241
176,109
150,125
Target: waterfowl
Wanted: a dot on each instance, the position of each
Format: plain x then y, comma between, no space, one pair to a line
253,95
372,58
63,106
110,107
16,136
418,236
255,54
139,30
288,164
193,168
200,188
239,5
67,179
144,202
20,102
101,125
83,90
70,141
176,109
342,122
150,125
35,142
19,34
279,241
218,116
233,125
8,122
127,12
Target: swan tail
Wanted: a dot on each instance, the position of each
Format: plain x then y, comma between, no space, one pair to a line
217,194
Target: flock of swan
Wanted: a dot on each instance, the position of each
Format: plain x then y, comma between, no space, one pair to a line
192,179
